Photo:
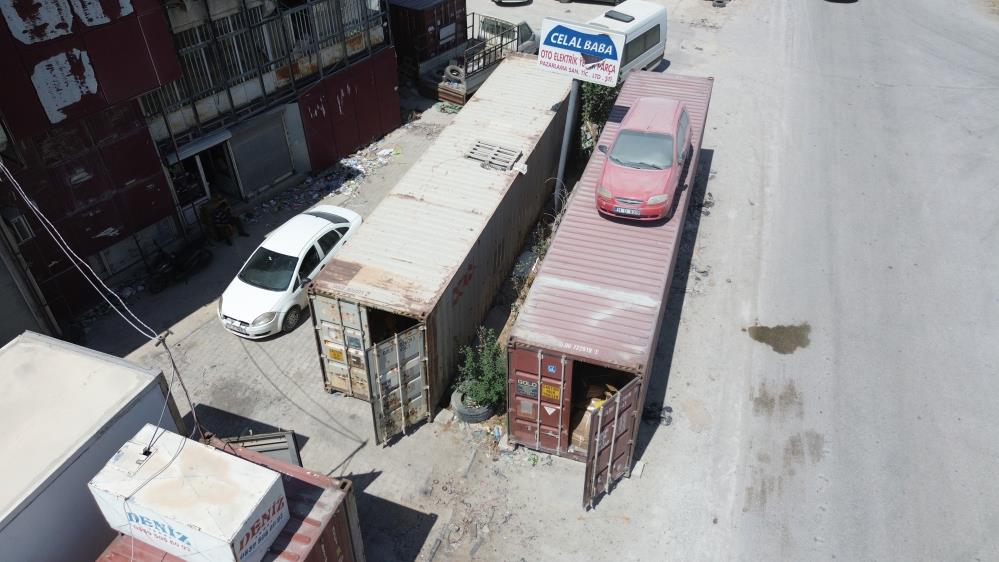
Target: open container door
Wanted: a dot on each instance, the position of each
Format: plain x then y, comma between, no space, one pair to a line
397,379
612,434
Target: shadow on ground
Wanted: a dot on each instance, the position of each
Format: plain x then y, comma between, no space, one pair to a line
391,531
227,424
656,413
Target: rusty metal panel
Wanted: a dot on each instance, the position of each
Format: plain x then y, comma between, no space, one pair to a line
341,112
115,122
84,178
120,60
613,428
130,160
63,78
364,94
397,379
386,76
20,106
600,292
145,203
159,47
312,105
95,228
538,399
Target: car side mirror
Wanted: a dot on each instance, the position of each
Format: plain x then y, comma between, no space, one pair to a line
304,281
602,148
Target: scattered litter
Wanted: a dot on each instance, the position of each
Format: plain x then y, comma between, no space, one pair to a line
448,107
343,177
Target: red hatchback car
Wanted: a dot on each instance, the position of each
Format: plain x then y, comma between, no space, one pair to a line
642,172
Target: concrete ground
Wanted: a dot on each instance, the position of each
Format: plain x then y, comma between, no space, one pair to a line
825,357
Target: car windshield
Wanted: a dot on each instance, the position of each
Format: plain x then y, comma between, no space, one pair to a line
645,151
268,270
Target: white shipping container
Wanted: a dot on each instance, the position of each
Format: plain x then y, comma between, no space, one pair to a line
191,500
65,409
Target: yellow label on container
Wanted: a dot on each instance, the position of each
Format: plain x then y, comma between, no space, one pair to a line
335,354
551,392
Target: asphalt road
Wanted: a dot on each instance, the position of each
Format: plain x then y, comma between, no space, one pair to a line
854,171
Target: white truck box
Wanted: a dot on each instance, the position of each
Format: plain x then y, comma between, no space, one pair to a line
65,410
191,500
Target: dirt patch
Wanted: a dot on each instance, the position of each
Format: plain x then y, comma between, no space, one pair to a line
784,339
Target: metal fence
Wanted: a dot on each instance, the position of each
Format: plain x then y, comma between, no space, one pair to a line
252,46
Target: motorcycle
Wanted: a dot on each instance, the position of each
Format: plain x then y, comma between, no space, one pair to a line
172,267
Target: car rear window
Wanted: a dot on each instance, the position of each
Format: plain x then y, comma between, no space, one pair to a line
335,219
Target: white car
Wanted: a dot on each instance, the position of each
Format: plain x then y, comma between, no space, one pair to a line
268,295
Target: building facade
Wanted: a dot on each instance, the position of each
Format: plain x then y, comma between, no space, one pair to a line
120,118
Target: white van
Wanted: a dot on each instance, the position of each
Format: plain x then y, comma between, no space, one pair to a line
644,26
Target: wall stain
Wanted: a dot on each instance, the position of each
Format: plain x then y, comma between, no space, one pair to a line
816,443
790,400
784,339
764,402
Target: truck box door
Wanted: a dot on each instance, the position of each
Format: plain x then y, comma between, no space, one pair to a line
612,433
397,380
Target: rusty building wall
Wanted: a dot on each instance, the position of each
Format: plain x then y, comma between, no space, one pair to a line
99,181
82,151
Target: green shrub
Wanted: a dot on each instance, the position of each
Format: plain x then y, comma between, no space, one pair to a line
482,372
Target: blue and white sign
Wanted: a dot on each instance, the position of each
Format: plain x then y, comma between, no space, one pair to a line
581,51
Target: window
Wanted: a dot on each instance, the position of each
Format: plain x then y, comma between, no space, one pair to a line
641,44
268,270
343,230
684,124
309,263
447,33
22,230
329,241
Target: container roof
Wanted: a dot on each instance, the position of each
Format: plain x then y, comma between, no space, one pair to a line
599,294
406,252
54,396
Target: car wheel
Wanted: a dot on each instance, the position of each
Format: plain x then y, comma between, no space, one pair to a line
291,319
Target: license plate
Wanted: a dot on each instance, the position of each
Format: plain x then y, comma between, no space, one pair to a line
235,327
627,211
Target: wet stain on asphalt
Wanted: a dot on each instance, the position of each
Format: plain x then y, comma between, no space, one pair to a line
784,339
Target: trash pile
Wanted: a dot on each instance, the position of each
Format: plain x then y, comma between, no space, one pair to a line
344,177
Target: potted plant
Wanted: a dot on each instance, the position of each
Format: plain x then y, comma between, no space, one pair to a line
481,379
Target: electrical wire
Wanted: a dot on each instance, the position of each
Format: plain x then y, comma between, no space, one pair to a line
142,328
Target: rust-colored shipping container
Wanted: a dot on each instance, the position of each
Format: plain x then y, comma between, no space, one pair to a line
323,525
581,348
423,29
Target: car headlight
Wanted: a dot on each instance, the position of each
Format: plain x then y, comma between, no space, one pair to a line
658,199
604,192
264,319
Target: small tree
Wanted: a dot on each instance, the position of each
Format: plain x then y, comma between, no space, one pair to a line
482,373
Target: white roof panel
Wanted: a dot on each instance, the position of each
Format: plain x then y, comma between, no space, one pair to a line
405,254
54,396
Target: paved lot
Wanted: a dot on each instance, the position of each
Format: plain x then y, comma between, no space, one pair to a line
850,149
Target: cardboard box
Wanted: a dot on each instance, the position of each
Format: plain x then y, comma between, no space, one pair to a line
579,425
191,500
